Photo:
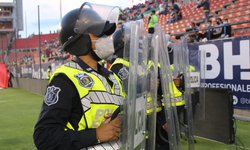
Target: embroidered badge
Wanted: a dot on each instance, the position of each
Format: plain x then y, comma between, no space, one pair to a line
123,73
85,80
52,95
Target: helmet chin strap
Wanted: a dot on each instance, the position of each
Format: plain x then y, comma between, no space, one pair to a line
94,55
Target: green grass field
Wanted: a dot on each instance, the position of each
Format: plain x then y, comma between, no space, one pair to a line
19,111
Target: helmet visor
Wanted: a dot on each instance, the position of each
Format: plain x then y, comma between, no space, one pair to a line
97,19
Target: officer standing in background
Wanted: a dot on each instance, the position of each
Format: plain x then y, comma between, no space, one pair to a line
120,66
81,95
152,20
49,72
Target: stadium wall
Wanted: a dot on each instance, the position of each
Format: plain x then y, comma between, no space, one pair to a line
27,78
37,86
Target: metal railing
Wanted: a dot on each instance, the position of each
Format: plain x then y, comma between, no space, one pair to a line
214,27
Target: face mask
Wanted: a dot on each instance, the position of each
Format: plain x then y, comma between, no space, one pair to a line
104,47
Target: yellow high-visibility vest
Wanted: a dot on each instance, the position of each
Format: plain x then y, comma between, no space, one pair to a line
176,95
97,97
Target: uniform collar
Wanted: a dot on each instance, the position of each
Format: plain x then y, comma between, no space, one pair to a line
83,65
100,69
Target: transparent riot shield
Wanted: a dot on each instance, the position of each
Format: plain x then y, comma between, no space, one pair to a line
187,69
134,121
152,85
182,70
197,69
160,43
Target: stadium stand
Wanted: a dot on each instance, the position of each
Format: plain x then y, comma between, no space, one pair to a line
8,28
235,13
28,47
233,10
33,42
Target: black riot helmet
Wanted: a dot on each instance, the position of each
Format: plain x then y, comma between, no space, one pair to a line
77,24
121,40
75,44
118,40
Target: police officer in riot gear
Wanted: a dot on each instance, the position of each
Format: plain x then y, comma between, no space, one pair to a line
81,95
120,66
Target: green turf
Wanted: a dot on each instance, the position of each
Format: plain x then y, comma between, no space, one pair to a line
19,111
242,140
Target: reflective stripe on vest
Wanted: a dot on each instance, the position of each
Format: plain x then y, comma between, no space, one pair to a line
178,101
105,146
150,106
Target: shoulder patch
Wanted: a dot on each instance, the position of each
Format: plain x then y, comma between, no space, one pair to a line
123,73
85,80
52,95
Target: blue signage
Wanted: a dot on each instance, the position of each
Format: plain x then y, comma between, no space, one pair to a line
226,64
